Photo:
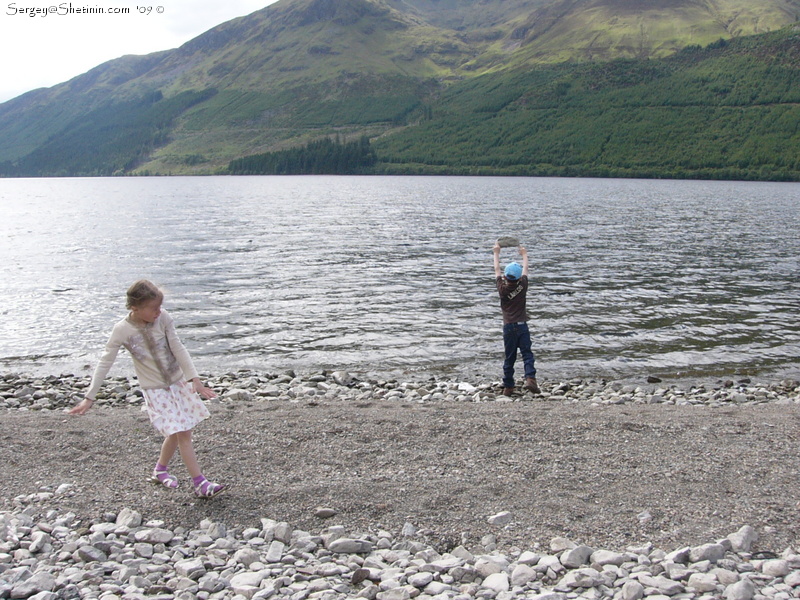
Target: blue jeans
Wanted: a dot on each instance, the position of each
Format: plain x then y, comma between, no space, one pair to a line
517,335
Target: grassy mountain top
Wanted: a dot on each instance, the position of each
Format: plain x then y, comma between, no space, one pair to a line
300,70
729,110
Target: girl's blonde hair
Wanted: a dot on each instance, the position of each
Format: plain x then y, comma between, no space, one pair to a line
143,291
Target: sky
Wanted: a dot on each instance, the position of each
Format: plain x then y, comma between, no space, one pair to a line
46,42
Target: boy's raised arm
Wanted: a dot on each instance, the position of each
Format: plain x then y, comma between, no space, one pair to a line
524,253
496,251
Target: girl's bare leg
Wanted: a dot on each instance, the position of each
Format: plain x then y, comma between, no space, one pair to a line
184,442
168,449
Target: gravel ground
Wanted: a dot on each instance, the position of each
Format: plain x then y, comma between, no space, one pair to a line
606,476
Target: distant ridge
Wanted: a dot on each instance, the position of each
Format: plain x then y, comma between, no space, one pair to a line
301,70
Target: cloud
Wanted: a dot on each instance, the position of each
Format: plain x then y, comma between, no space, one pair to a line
44,44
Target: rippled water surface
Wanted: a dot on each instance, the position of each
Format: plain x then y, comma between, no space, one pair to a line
393,274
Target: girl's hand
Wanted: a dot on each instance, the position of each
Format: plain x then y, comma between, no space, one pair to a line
81,408
203,390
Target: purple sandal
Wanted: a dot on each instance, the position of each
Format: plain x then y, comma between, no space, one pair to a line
208,489
164,478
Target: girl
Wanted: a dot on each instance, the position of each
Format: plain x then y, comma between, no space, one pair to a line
162,366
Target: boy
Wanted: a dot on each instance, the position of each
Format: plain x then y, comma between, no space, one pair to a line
512,285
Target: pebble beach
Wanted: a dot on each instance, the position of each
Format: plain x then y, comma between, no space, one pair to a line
346,487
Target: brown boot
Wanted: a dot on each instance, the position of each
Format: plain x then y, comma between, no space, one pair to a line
508,391
532,386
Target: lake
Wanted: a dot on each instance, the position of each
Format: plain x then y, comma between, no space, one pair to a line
393,277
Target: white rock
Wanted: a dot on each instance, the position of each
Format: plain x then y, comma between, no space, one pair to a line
275,552
632,590
237,395
420,580
398,593
741,590
743,539
710,552
350,546
662,584
581,578
192,568
248,579
522,574
775,568
497,582
703,582
501,518
485,567
434,588
155,535
38,582
680,556
246,556
529,558
606,557
560,544
129,518
576,557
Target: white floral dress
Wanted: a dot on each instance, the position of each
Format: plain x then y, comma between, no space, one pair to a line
163,367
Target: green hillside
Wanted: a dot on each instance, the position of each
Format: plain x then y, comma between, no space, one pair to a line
507,86
730,110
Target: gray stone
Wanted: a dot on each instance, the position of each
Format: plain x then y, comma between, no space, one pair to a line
129,518
237,395
36,583
282,532
350,546
581,578
662,584
497,582
632,590
155,535
560,544
91,554
420,580
680,556
507,241
398,593
743,539
522,575
243,583
606,557
192,569
39,540
741,590
710,552
775,568
576,557
275,552
501,518
246,556
217,531
703,582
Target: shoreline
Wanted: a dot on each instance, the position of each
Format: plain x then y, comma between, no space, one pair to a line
56,392
490,497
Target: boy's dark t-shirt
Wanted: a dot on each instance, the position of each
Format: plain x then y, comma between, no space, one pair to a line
512,299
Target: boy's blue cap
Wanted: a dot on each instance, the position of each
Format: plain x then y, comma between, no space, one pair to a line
513,271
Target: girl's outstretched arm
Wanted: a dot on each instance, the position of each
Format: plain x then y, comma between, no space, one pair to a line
82,408
203,390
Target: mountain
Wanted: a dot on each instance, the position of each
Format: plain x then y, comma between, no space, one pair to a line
300,70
